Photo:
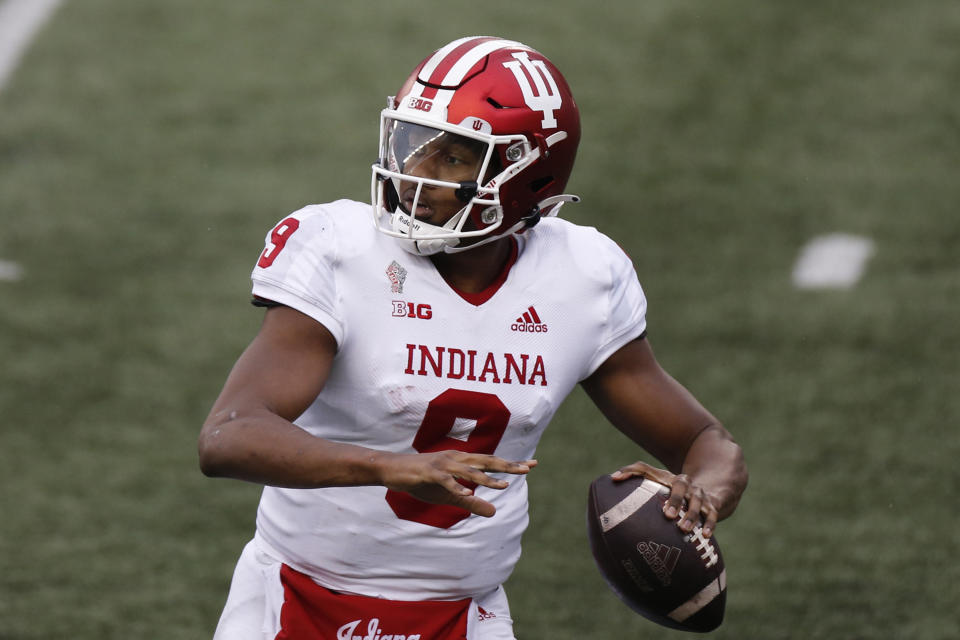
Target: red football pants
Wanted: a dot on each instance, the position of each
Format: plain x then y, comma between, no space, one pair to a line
313,612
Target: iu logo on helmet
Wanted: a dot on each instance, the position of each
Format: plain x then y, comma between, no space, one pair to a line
546,98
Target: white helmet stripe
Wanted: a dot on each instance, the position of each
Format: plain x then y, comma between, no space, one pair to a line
464,64
430,66
467,60
438,57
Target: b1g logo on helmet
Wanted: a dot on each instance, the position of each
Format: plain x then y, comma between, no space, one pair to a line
546,98
420,104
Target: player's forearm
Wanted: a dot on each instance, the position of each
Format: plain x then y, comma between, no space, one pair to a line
266,449
715,462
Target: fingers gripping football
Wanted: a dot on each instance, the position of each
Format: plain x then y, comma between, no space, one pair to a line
447,477
699,508
687,500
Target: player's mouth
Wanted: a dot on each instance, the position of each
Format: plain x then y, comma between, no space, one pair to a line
423,210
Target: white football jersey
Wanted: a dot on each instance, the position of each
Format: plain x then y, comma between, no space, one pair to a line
422,367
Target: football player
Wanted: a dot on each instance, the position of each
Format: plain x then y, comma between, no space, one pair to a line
393,398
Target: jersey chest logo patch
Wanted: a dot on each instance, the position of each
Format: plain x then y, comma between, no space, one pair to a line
403,309
397,275
529,322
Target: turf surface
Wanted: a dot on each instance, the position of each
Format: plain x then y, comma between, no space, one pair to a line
145,148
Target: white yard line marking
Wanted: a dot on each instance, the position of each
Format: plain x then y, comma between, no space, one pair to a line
20,20
834,261
10,271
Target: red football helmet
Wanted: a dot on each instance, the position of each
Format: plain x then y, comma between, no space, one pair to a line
505,108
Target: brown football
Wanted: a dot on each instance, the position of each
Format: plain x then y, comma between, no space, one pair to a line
673,578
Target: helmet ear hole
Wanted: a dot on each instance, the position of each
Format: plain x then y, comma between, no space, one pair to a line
541,183
495,168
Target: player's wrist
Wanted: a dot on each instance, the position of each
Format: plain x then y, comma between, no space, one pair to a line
377,467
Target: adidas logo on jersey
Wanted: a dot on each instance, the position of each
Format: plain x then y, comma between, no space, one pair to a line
529,322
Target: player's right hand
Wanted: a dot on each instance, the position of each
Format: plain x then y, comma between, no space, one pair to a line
436,477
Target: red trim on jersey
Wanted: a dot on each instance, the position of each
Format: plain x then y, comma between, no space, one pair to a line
312,611
478,298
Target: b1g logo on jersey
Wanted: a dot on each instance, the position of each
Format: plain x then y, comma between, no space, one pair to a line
547,96
529,322
403,309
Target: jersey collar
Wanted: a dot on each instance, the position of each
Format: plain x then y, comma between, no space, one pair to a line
480,297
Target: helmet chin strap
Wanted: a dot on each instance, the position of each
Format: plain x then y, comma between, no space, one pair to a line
424,246
559,201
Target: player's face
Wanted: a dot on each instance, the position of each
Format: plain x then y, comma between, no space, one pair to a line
423,152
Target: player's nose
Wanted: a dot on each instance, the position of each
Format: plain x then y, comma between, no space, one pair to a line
424,168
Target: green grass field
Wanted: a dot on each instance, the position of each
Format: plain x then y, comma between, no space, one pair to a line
145,149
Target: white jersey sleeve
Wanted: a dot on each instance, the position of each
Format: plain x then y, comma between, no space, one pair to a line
626,302
297,267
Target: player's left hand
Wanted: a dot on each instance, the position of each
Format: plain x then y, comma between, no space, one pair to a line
701,508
